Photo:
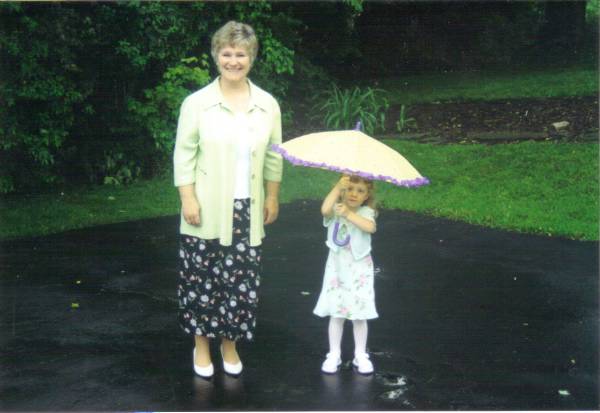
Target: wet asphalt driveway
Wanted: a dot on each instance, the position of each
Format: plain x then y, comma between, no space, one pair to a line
470,319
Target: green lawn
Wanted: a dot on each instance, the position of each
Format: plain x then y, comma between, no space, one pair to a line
464,86
548,188
62,210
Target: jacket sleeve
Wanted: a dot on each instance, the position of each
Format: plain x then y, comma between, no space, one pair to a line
186,145
273,164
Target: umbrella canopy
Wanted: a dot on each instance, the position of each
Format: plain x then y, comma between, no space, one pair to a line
354,153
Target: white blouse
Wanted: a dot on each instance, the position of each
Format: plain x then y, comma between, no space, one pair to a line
243,143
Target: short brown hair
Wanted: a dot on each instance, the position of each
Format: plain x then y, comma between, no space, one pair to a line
235,34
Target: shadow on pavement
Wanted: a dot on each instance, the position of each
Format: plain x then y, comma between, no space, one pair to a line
470,319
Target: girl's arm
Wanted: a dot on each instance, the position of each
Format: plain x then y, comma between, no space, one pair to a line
332,198
362,223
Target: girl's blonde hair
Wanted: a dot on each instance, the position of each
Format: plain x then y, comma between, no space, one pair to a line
370,201
234,34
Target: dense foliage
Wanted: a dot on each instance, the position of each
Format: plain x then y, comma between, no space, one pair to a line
90,91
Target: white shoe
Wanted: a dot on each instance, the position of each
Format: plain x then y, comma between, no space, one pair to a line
331,363
362,363
205,372
231,369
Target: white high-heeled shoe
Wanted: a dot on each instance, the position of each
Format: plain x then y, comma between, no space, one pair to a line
231,369
204,372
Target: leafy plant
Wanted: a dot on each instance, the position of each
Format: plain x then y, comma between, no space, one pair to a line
592,9
38,100
404,122
357,6
77,79
6,184
157,113
118,170
342,108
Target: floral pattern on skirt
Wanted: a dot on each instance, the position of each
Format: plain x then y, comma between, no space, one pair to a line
218,285
348,287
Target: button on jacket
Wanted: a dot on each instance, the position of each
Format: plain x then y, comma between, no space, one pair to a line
205,155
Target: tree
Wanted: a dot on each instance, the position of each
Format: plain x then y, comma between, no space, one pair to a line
564,27
91,90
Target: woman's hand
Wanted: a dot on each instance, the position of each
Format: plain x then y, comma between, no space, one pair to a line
190,208
271,209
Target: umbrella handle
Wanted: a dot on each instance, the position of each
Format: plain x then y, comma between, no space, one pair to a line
337,242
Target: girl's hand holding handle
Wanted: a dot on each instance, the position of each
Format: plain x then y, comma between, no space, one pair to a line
343,183
341,210
327,208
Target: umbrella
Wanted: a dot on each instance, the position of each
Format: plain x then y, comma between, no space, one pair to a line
354,153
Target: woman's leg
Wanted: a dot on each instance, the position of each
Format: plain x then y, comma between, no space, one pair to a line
230,354
202,351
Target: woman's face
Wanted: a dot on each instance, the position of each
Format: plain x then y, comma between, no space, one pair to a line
233,63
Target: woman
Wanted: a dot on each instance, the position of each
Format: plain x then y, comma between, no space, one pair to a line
223,165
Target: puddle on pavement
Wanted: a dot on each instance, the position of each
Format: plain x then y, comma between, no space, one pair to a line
398,394
384,354
391,380
392,394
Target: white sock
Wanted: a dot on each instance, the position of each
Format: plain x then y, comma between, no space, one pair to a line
336,329
361,331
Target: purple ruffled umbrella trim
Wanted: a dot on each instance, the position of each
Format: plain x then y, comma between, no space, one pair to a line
409,183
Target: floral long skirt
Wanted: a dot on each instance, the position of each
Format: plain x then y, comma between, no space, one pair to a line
218,285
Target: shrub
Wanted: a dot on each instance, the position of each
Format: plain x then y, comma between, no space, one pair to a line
91,92
156,115
343,108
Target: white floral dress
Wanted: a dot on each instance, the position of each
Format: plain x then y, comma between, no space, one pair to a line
347,290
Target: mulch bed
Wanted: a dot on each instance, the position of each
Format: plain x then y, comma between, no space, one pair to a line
499,121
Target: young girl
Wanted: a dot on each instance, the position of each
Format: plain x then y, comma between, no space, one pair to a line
347,292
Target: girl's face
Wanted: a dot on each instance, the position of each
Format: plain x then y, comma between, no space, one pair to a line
356,194
233,63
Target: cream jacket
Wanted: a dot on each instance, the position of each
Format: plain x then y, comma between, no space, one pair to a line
205,156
